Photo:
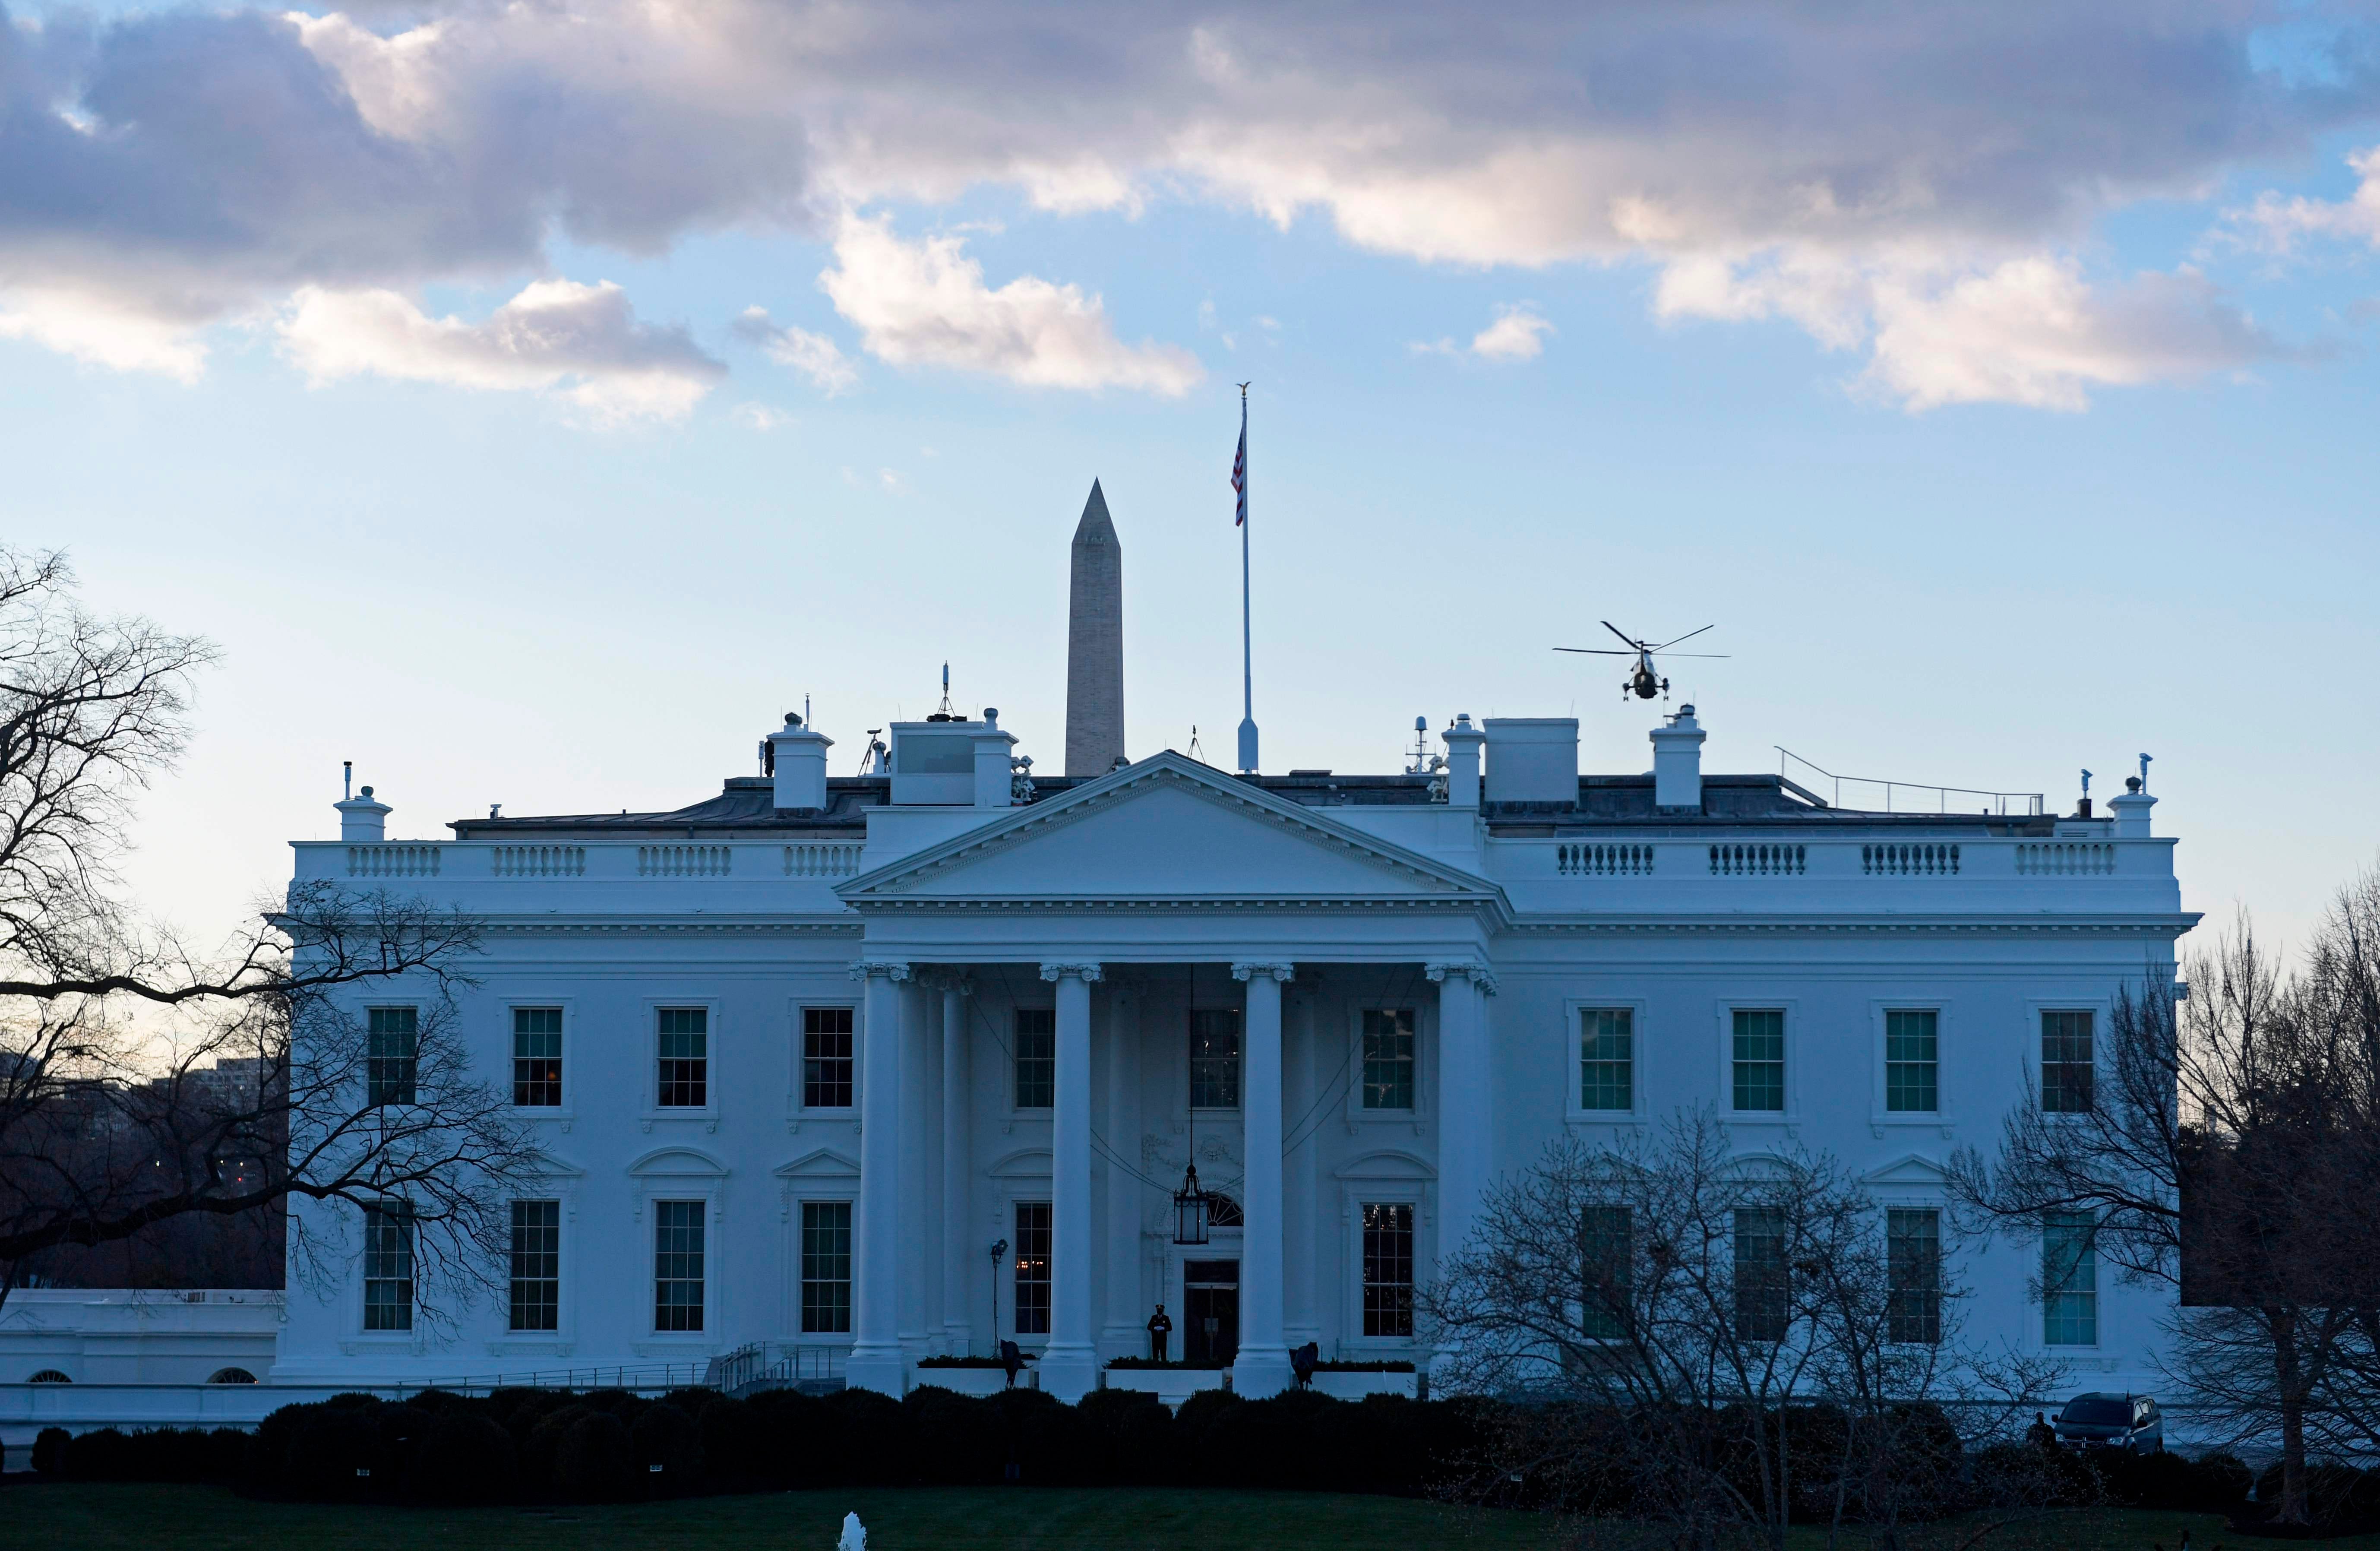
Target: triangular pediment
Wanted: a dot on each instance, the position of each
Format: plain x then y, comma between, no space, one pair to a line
1910,1169
1169,828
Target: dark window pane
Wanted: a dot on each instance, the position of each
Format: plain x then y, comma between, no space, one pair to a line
537,1057
1033,1268
1215,1058
1036,1058
1759,1059
684,1075
388,1266
1911,1060
2066,1062
1914,1265
826,1267
1760,1286
826,1057
1607,1263
1607,1058
2070,1280
537,1265
677,1265
1388,1058
392,1054
1387,1268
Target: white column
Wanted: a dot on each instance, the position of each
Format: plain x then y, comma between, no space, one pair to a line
1126,1333
1466,1106
958,1170
917,1172
1070,1363
875,1362
1263,1365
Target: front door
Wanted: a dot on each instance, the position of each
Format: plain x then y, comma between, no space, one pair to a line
1210,1300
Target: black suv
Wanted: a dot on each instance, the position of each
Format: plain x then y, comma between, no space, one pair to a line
2107,1421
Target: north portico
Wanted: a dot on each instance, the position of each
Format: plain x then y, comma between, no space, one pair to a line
1144,875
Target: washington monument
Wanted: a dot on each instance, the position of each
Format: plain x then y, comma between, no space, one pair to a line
1095,645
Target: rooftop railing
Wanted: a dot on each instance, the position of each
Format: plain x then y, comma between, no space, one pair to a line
1911,796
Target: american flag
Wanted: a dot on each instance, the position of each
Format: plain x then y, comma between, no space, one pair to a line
1240,468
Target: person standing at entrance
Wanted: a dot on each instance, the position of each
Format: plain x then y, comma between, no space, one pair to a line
1159,1327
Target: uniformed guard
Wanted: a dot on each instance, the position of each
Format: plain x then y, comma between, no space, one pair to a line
1159,1327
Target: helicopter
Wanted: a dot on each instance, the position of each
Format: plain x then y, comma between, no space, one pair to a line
1645,683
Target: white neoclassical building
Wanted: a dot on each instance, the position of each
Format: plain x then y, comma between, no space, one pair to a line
863,1071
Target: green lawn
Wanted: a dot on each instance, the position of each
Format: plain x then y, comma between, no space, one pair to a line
96,1518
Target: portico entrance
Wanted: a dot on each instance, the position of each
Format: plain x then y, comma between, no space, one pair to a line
1210,1303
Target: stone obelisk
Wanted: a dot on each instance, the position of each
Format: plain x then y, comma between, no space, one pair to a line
1095,645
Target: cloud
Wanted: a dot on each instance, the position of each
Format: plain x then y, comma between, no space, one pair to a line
165,171
583,342
2277,225
813,354
762,417
926,304
1518,334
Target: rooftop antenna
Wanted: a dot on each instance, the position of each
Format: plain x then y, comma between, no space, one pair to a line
1195,752
944,711
348,780
2145,773
806,708
871,763
1420,751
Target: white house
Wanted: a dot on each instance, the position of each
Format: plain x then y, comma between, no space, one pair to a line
800,1054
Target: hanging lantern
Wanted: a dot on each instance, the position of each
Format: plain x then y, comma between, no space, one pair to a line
1190,1209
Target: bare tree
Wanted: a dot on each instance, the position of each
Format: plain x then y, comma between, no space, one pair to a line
2224,1148
1717,1343
141,1081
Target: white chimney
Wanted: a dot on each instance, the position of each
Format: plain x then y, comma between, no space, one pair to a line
2132,809
360,818
1462,742
1532,759
798,756
1678,763
994,786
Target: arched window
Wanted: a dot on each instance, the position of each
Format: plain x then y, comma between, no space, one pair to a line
232,1375
49,1376
1223,1211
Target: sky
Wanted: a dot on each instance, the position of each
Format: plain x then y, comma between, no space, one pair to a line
534,401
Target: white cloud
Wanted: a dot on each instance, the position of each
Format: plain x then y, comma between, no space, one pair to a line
2277,224
926,304
583,342
104,333
1518,334
763,417
813,354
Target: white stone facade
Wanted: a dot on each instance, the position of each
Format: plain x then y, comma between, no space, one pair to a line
1021,984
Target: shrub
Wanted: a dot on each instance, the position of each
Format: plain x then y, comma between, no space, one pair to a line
953,1440
591,1463
2330,1490
730,1443
464,1456
50,1451
665,1450
1044,1439
1129,1437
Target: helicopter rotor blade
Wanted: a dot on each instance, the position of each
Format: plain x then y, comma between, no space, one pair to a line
1595,651
1688,636
1624,635
1714,656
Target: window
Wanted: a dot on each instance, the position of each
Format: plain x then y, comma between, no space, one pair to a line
388,1266
677,1266
537,1058
49,1376
1913,1253
1760,1058
392,1054
826,1057
1912,1051
1387,1268
826,1267
1607,1058
2070,1281
1036,1058
1215,1058
1388,1058
1033,1268
1606,1253
1760,1287
537,1265
231,1376
2066,1062
685,1060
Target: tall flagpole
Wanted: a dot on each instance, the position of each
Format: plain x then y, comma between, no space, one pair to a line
1248,655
